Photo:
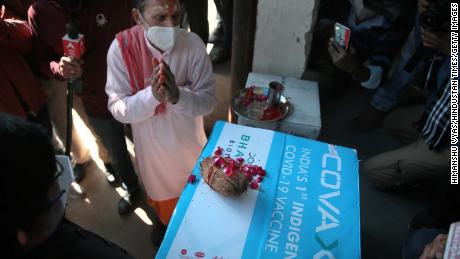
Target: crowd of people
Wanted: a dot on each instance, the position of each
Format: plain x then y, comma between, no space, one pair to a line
140,71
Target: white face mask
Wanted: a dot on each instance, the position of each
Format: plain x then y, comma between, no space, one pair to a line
163,38
362,13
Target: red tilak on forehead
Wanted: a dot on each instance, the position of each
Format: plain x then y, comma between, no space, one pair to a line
172,5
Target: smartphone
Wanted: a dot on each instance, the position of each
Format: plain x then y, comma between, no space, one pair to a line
342,35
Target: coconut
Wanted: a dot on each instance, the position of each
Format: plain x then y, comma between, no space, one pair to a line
231,184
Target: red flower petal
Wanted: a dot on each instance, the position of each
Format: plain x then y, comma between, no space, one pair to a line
252,171
250,91
259,179
219,162
262,98
219,151
230,167
228,171
191,178
254,185
240,160
262,172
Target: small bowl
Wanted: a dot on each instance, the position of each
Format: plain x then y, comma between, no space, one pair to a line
254,106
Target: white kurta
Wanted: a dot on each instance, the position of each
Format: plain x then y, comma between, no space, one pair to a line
167,145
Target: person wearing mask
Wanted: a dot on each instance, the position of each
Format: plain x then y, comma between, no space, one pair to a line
160,81
98,21
32,219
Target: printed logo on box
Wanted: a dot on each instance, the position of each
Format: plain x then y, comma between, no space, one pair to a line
200,254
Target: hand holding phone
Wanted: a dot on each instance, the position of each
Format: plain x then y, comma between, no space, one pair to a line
342,35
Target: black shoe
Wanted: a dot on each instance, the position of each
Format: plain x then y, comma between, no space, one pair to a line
220,54
79,171
113,180
217,34
127,203
369,120
158,233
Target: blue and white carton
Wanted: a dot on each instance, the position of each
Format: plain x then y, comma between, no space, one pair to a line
307,205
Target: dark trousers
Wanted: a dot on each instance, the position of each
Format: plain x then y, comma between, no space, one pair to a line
43,118
225,11
112,135
197,14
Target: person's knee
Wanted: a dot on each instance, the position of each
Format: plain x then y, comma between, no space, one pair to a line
379,174
390,122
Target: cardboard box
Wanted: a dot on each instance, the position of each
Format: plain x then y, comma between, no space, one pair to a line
307,205
305,120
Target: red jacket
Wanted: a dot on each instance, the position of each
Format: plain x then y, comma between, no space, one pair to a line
15,40
99,21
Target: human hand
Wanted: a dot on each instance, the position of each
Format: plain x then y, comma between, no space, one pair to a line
435,249
342,59
423,5
70,68
439,40
164,86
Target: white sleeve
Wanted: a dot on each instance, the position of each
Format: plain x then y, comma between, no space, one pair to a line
375,77
124,106
198,98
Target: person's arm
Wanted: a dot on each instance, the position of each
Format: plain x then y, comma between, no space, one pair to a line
198,98
14,34
43,40
124,106
346,61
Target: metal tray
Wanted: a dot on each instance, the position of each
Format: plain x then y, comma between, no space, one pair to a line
254,110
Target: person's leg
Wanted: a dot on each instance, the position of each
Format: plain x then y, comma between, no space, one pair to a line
43,118
56,91
112,135
401,123
217,35
226,14
409,165
102,150
197,14
164,210
221,52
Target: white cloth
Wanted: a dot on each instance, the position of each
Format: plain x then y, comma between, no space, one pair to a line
167,145
375,77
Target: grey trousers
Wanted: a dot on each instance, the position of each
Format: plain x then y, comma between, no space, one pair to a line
410,164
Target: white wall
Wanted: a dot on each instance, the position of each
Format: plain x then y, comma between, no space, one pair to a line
283,36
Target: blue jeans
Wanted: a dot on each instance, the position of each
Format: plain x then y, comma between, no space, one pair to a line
113,137
417,240
387,95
